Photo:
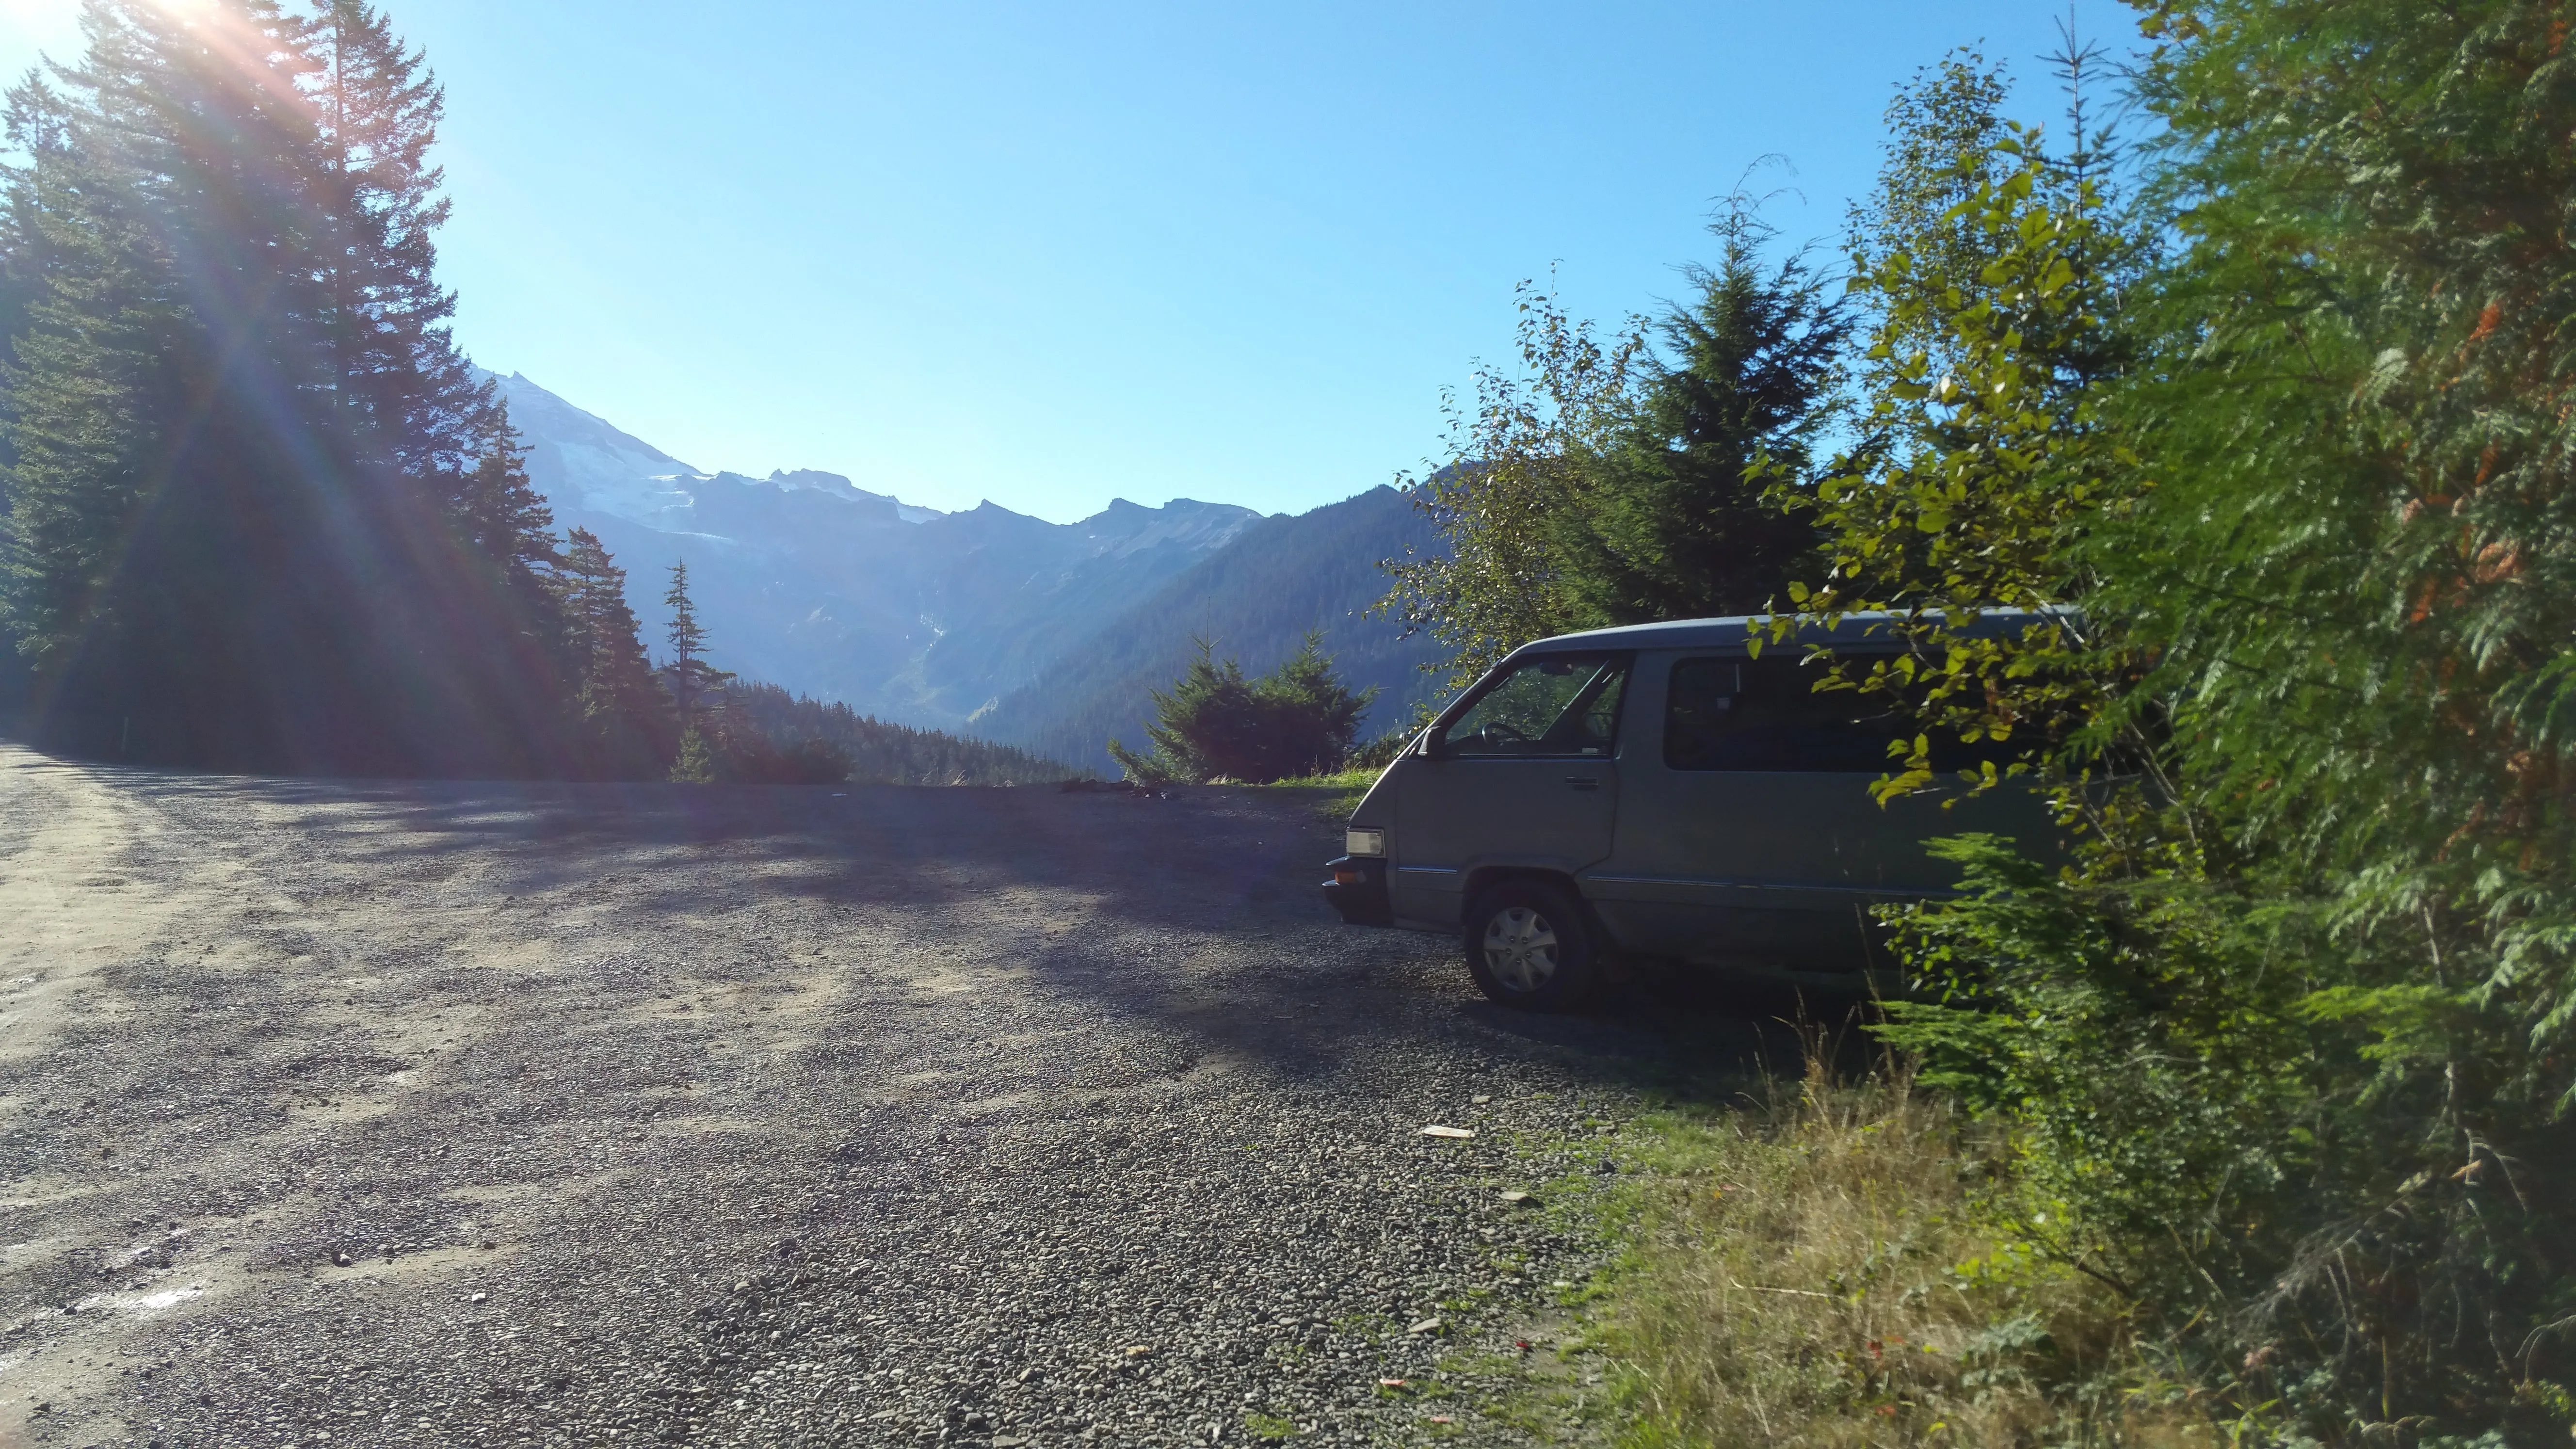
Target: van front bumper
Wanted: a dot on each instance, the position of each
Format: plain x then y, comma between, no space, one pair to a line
1358,891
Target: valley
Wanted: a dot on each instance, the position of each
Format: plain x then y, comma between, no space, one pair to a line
985,622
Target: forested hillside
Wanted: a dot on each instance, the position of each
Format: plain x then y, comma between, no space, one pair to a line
1254,600
888,754
259,512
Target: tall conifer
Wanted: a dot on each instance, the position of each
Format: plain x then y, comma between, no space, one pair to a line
694,682
625,711
260,510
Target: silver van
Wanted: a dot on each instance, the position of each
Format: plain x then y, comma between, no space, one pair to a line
1659,791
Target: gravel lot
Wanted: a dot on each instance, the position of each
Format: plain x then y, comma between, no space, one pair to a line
378,1113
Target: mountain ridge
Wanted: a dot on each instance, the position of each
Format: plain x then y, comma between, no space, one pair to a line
951,620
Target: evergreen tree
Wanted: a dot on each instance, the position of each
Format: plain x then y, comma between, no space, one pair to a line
258,511
1309,717
696,761
1214,724
161,406
696,686
871,750
98,322
625,711
1673,514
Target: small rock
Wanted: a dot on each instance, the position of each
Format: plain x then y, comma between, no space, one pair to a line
1480,1099
478,1297
1428,1325
340,1260
1456,1133
1137,1350
1516,1197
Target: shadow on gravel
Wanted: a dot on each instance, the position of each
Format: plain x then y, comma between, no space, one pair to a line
1187,877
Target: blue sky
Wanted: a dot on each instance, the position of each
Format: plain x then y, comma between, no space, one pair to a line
1053,254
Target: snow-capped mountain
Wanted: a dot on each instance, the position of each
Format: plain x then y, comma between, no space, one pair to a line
807,580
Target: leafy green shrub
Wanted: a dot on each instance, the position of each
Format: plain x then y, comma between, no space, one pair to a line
2284,1051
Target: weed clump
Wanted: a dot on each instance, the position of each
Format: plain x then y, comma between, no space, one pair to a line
1834,1267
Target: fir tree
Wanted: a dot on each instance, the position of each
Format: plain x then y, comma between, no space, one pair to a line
1674,514
1215,724
259,513
696,763
625,712
97,321
696,685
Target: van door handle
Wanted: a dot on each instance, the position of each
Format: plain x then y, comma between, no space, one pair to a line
1583,782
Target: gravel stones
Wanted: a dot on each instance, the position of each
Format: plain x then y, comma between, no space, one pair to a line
909,1117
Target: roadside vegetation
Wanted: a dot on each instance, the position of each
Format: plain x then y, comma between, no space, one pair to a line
1215,725
2250,1125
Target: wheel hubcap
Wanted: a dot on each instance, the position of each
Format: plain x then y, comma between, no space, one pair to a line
1520,948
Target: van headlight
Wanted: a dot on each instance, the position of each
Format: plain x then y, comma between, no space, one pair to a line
1364,842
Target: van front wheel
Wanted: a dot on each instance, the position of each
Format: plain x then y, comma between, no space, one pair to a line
1527,947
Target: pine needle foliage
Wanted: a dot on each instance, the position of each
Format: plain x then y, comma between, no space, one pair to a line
1215,724
875,752
259,513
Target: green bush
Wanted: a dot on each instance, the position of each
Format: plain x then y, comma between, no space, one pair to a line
1214,724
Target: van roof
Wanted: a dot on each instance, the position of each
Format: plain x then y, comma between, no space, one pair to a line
1730,633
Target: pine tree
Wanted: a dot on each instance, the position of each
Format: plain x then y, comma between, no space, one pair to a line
1675,514
159,402
95,321
1215,724
696,685
625,711
259,511
414,423
696,763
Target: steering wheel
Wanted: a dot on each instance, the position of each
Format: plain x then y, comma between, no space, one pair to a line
1496,733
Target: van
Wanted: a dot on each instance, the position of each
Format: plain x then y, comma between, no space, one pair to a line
1663,791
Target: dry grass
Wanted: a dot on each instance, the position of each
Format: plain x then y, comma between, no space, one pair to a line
1823,1271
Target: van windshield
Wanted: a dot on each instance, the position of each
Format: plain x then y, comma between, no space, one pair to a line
1557,704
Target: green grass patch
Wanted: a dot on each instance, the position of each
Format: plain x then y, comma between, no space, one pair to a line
1331,798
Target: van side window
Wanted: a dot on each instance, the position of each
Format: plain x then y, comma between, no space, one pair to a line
1765,714
1560,705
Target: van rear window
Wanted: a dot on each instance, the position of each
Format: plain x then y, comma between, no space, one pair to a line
1765,714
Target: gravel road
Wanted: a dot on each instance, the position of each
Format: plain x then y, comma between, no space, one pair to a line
399,1113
